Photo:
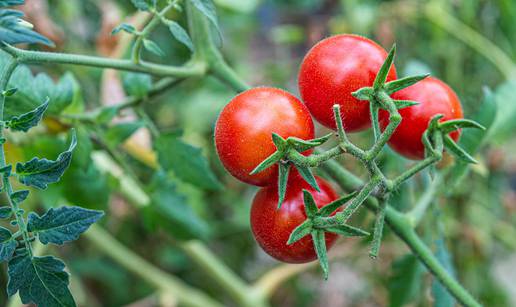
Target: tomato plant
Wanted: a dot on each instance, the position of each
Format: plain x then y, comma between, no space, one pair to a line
243,132
332,70
434,97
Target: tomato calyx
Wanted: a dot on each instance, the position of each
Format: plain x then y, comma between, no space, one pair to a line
308,227
436,137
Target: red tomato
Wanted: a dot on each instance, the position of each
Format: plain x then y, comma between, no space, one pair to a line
272,227
332,70
243,132
434,97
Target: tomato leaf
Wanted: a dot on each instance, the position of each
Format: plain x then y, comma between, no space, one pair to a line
397,85
406,281
40,173
300,232
137,84
19,196
4,3
307,175
457,151
185,161
319,239
63,224
207,8
180,34
124,27
28,120
310,206
5,212
7,244
39,280
379,81
284,170
12,31
336,204
144,5
152,47
347,231
119,133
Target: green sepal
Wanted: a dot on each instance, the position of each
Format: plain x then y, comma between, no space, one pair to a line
379,81
279,142
301,145
5,212
300,232
283,170
347,231
310,206
336,204
19,196
399,84
270,161
319,240
434,122
400,104
457,151
307,175
455,124
365,93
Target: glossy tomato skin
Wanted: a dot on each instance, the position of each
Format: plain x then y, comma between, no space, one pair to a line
332,70
272,227
245,125
434,97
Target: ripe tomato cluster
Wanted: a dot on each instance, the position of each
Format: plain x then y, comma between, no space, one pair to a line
331,71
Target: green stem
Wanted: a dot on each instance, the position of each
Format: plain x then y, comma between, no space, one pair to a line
378,228
373,108
394,121
184,294
27,56
212,266
314,159
415,215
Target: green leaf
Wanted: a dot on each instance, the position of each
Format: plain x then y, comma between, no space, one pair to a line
40,173
406,281
19,196
400,104
39,280
284,170
63,224
319,239
347,231
379,81
106,114
10,92
443,298
13,30
28,120
207,8
7,244
137,84
457,151
144,5
504,125
300,232
152,47
177,215
364,93
5,212
268,162
124,27
455,124
397,85
307,175
186,161
5,3
180,34
119,133
336,204
310,206
82,154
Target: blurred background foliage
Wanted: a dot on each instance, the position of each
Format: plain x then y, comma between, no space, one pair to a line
471,226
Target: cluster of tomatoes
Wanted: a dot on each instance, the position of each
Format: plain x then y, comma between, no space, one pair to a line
330,72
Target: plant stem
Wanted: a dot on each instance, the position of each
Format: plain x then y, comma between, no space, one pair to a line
415,215
394,121
185,294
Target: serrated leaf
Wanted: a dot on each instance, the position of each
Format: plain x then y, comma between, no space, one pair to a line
40,173
310,206
186,161
457,151
207,8
268,162
119,133
455,124
284,170
14,31
300,232
347,231
39,280
406,281
28,120
319,239
336,204
180,34
5,3
379,81
153,47
307,175
400,104
63,224
19,196
5,212
397,85
364,93
124,27
7,244
137,84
